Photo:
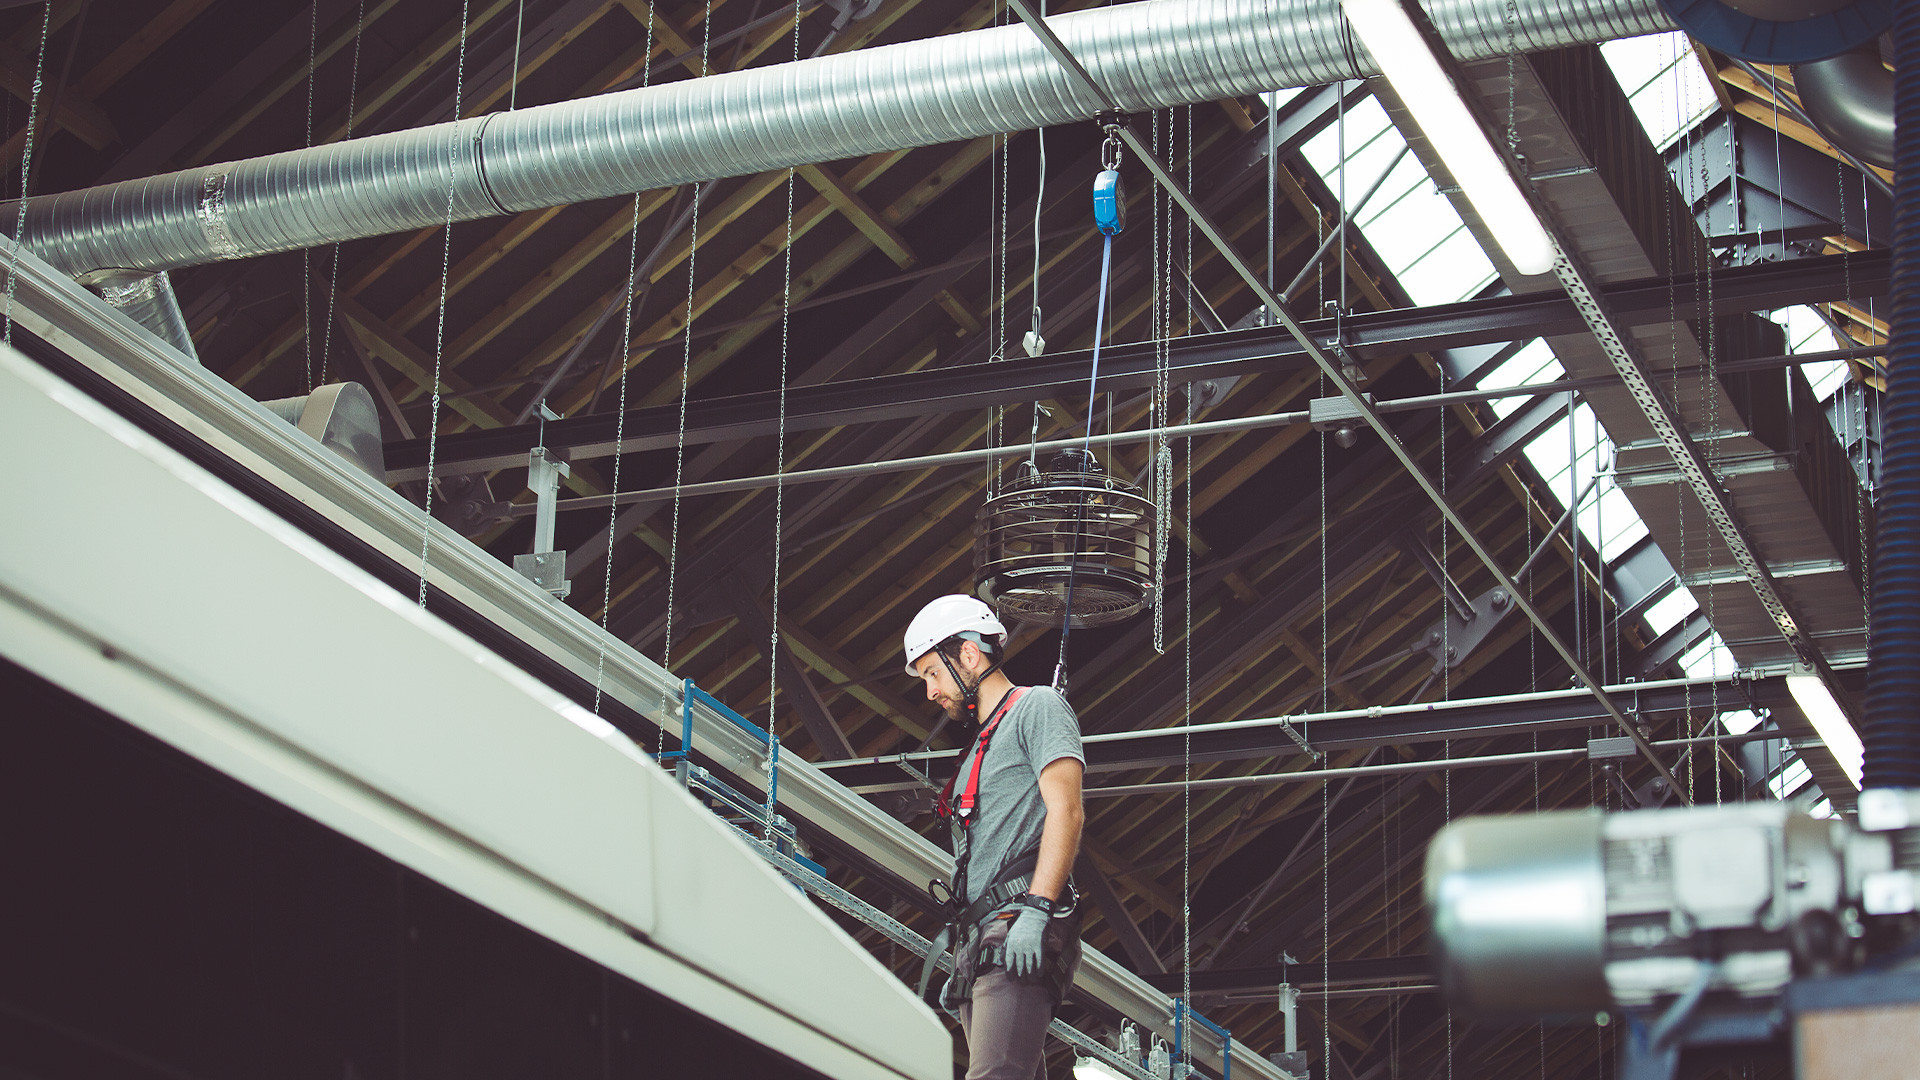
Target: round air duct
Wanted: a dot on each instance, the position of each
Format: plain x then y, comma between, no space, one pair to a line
1067,527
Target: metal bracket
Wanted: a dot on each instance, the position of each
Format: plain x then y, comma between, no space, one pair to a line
545,567
1452,640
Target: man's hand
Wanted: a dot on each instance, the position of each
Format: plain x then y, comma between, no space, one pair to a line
1022,950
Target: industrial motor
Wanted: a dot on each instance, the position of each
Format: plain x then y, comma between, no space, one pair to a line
1570,912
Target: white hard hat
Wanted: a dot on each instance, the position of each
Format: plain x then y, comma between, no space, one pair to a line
946,616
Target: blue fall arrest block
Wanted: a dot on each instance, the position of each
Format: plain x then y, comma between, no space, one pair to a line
1109,203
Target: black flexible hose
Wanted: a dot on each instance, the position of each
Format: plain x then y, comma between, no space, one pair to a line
1892,734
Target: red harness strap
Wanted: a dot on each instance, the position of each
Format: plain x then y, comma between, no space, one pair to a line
970,795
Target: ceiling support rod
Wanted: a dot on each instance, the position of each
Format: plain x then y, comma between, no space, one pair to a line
1421,765
1359,403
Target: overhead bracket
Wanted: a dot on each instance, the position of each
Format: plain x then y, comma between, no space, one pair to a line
544,566
1451,640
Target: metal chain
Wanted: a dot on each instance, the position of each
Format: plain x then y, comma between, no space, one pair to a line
1863,490
1711,379
619,445
440,325
1672,270
26,171
1162,401
1186,792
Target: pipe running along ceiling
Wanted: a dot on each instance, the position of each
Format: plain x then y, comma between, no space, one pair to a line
1149,55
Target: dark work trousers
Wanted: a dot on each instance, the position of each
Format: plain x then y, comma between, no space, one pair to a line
1006,1028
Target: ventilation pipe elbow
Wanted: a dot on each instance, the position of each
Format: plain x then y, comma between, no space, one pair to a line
1850,99
148,299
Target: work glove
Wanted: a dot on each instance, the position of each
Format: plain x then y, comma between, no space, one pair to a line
1022,950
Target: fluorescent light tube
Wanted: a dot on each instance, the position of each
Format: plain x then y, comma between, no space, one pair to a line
1415,75
1816,701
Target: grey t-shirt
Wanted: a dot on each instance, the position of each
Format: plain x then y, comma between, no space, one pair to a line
1009,815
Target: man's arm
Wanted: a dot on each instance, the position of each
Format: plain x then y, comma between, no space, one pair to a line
1060,836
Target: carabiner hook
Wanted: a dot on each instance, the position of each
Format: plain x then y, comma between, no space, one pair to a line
1110,149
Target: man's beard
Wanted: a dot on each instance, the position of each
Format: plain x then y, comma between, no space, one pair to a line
957,714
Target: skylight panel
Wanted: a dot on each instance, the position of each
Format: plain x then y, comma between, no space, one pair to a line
1611,518
1534,363
1664,83
1808,332
1790,779
1670,610
1710,659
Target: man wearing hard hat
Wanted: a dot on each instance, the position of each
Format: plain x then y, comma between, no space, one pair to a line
1015,814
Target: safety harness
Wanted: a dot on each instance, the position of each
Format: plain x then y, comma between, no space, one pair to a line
1012,881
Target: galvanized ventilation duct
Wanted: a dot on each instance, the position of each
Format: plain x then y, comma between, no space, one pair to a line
1149,55
1850,99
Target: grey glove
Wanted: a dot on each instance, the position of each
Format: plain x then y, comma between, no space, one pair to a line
1022,950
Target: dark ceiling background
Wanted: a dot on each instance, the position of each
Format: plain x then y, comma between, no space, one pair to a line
1301,573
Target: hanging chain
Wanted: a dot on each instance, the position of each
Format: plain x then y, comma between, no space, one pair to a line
1161,402
26,171
440,325
1186,791
1672,270
1713,450
619,447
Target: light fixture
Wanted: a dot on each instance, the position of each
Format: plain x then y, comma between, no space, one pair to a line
1410,67
1816,701
1086,1068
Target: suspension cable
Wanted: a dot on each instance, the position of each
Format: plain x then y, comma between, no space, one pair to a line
440,325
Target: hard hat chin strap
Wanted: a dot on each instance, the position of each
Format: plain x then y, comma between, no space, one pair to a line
969,691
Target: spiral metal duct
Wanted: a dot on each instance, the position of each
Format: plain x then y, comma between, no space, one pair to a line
1149,55
1850,99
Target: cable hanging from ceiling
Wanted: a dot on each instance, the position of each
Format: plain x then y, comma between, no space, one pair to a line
440,324
26,166
1068,543
333,261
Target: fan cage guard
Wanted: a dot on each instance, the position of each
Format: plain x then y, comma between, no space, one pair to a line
1078,523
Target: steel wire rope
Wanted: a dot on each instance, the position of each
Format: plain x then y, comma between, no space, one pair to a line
996,287
1086,445
769,831
686,369
26,172
306,254
333,263
513,84
1526,490
440,324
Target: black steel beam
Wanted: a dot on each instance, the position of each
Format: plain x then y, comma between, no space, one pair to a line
1465,720
1207,356
1374,971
